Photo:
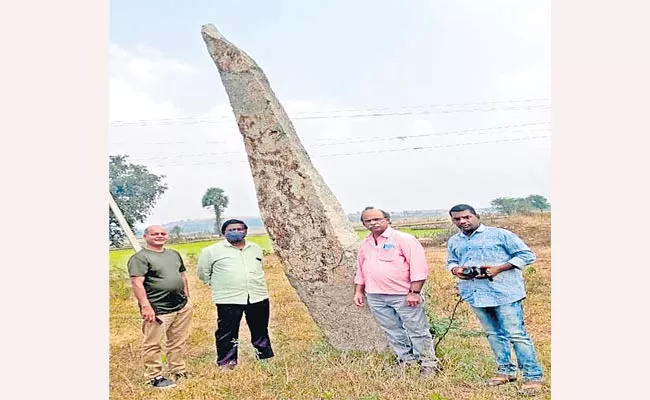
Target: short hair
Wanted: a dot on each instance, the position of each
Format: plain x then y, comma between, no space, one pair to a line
146,230
462,207
384,213
230,222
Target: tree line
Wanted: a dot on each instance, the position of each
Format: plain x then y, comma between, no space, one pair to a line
136,191
521,205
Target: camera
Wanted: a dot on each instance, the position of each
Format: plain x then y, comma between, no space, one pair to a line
473,272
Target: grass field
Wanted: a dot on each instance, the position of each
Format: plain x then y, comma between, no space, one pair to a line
118,258
305,367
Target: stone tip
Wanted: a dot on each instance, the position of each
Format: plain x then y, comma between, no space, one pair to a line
210,30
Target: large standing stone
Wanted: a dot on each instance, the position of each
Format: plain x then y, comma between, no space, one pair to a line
306,224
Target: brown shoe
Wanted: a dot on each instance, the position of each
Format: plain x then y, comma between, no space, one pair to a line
500,380
531,388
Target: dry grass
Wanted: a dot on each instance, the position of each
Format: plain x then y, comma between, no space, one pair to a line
305,367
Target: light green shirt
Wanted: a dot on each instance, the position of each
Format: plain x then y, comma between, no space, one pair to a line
233,274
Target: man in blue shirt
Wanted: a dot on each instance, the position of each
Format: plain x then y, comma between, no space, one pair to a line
495,296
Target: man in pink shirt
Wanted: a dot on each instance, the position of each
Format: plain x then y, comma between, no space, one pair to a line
391,271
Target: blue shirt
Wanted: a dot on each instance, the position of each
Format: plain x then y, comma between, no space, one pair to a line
489,246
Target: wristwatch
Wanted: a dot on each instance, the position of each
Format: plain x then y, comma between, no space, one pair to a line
414,291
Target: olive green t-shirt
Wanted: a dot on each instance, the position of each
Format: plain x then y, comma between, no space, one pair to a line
162,279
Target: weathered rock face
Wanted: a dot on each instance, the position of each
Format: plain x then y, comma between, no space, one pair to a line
306,224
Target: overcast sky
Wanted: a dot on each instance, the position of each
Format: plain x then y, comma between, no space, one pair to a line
471,80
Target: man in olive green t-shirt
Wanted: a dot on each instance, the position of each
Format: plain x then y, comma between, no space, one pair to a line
160,285
233,269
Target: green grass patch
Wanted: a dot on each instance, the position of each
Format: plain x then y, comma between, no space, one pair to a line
421,233
418,233
189,252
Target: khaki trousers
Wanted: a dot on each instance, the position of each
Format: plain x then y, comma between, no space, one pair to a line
176,329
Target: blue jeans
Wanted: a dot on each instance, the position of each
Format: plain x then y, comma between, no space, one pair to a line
406,328
504,325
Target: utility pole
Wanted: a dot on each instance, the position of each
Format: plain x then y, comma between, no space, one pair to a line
123,224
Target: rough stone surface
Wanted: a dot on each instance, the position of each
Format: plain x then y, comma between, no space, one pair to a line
306,224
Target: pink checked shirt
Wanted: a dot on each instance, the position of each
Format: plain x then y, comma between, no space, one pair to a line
392,264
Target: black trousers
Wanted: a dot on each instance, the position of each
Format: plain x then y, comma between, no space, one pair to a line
227,333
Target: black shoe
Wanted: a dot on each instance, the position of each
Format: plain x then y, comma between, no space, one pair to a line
161,382
181,375
431,371
226,366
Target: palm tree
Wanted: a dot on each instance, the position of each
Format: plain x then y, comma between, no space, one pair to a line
216,199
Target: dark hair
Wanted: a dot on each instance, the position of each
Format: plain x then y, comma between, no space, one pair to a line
462,207
384,213
230,222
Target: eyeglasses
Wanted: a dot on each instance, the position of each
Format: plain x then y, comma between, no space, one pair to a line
367,221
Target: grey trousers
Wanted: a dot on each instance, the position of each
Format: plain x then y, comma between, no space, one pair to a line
406,328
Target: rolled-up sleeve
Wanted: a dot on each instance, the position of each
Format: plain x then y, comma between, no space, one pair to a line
522,255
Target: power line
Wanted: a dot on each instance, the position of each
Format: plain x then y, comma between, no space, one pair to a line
475,131
201,117
434,147
541,107
425,106
364,115
370,152
361,113
468,131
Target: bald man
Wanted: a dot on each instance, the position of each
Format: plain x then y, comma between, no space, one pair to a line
160,285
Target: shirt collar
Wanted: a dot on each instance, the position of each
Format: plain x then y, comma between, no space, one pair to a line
385,234
228,244
480,229
388,232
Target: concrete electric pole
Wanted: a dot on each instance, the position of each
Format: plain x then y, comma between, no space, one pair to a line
123,224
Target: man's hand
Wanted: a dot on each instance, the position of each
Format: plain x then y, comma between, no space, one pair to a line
412,299
457,272
148,314
358,299
491,271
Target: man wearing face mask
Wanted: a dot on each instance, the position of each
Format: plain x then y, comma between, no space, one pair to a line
233,270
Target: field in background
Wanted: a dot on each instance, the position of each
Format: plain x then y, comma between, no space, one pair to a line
119,257
305,367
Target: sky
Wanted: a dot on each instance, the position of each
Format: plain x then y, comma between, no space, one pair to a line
462,89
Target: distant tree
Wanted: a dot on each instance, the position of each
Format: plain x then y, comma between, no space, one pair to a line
216,199
176,231
135,191
511,205
539,202
504,205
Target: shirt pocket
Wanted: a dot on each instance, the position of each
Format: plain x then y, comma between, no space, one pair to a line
388,254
